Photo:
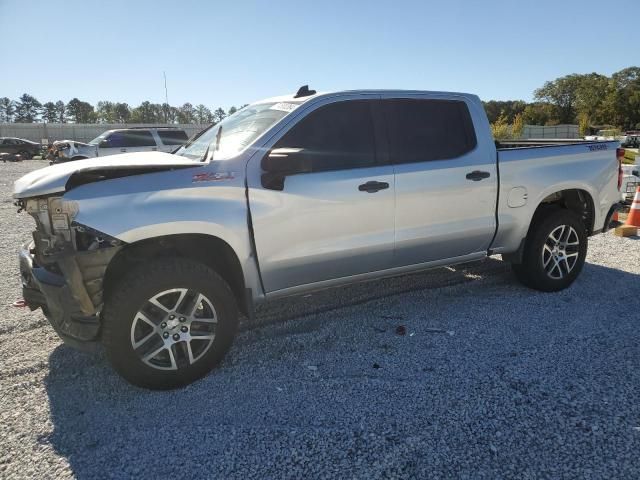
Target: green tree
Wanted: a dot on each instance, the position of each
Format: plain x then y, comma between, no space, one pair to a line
508,108
203,114
7,110
61,112
49,112
590,95
219,115
518,126
81,112
562,93
27,109
105,112
583,124
121,112
186,113
232,110
538,113
501,129
146,112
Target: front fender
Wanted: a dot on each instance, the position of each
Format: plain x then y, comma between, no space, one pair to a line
143,207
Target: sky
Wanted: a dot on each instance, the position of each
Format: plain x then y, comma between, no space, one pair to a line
223,53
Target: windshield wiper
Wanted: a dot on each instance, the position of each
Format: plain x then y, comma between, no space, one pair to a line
218,135
206,152
196,136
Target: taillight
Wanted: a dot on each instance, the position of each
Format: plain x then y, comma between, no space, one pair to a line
620,157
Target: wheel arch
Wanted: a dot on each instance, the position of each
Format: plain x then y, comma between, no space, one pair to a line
577,200
210,250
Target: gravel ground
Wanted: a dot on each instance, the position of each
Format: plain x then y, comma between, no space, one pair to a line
491,380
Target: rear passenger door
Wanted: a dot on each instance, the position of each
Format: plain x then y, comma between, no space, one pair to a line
335,220
446,182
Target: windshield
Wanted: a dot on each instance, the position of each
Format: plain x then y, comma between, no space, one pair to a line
236,132
99,138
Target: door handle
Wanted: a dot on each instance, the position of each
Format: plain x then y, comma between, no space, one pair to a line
123,149
373,186
477,175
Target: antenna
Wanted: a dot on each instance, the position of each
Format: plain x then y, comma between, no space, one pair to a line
166,98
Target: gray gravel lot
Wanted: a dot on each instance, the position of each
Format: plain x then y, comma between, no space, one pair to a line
491,381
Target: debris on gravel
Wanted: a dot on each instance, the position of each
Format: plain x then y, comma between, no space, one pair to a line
520,384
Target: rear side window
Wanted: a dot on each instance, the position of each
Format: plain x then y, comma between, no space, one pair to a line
172,137
337,136
425,130
139,138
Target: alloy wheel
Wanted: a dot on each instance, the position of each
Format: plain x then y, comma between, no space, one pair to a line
560,252
174,329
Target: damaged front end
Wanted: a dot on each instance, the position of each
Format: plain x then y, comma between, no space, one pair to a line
66,150
63,268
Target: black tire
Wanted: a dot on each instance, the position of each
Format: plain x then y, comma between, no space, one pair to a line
25,155
132,294
532,272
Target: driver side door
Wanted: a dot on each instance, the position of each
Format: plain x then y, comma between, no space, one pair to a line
333,218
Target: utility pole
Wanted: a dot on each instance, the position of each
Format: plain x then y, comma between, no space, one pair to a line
166,98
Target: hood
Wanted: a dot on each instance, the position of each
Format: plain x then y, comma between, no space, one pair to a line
53,179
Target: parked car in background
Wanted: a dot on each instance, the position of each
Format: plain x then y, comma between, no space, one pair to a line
293,194
631,141
124,140
630,181
25,148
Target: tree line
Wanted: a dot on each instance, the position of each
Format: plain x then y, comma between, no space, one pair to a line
589,100
28,109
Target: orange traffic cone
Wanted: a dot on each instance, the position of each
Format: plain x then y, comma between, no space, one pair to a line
614,217
634,213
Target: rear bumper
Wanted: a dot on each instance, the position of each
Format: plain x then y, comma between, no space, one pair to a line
42,288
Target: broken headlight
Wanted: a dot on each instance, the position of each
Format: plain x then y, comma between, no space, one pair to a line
88,239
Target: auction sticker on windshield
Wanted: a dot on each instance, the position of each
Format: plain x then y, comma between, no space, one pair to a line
284,106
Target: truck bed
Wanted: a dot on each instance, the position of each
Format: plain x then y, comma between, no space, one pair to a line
543,142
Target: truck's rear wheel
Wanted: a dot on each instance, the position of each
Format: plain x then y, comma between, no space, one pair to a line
554,252
168,323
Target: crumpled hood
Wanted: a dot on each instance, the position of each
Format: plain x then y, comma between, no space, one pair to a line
53,179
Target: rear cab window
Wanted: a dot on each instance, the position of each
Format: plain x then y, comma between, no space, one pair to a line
138,138
421,130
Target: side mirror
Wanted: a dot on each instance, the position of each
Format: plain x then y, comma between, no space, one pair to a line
282,162
104,144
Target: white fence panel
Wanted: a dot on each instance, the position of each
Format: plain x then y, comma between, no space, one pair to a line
81,132
554,131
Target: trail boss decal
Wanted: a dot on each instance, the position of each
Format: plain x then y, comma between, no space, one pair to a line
595,148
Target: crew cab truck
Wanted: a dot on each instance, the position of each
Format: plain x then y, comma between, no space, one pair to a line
157,254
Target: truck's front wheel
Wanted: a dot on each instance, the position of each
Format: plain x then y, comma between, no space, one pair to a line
554,252
168,323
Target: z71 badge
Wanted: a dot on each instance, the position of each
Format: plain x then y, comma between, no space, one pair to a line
213,177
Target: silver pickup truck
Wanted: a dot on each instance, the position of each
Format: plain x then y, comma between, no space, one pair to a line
157,254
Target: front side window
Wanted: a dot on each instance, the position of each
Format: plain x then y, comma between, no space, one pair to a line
113,140
425,130
335,137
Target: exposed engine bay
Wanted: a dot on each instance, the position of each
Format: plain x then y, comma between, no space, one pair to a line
63,268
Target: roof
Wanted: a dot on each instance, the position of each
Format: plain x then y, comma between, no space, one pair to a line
291,97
